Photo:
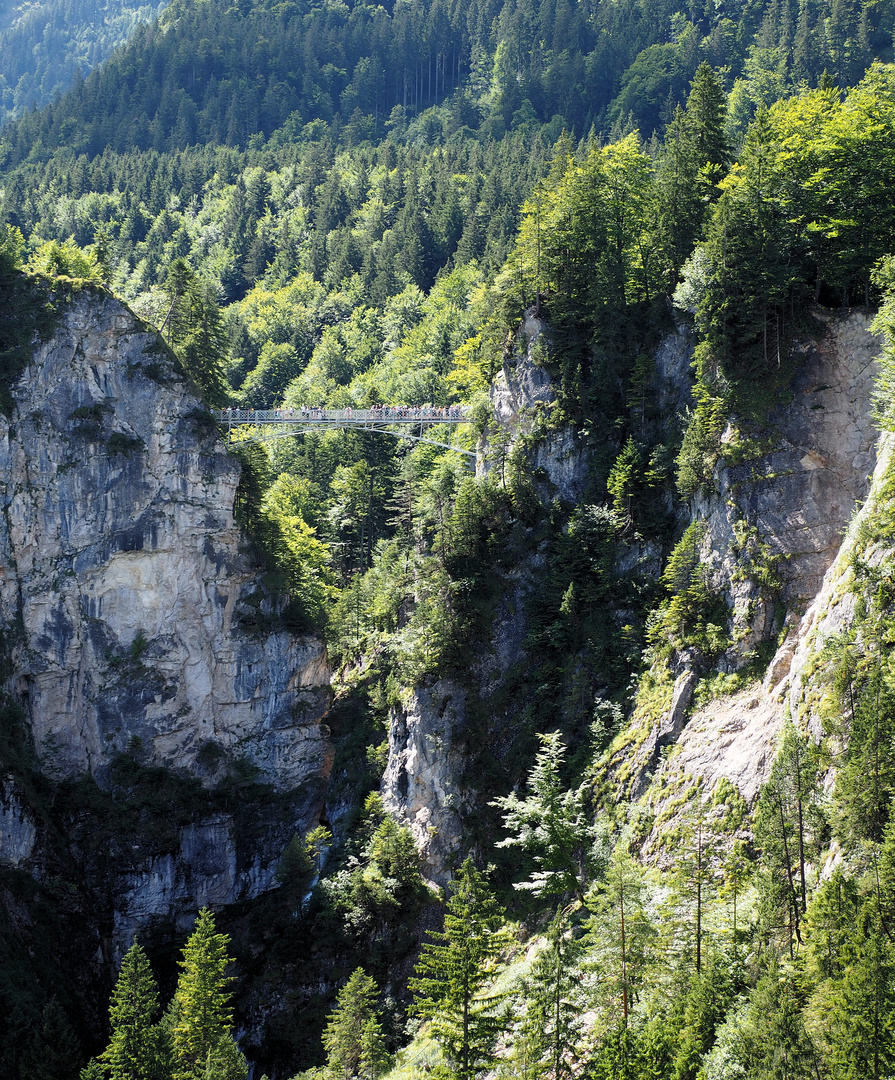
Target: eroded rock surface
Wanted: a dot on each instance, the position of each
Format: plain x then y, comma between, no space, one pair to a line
135,623
421,781
800,499
797,497
133,611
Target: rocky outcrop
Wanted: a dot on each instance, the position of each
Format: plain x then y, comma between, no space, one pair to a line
421,781
135,623
134,615
520,388
18,831
522,383
792,683
799,500
781,511
204,871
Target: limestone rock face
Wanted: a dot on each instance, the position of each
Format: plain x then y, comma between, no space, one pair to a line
18,832
420,785
792,502
798,501
520,386
522,383
735,737
134,616
789,684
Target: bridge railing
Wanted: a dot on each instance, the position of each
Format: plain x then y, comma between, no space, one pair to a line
387,414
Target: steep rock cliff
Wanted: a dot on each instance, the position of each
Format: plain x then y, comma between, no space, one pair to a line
123,586
808,499
135,622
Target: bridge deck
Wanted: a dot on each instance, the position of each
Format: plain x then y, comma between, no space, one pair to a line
345,417
396,421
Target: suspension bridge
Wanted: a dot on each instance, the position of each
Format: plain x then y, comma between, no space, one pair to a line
416,424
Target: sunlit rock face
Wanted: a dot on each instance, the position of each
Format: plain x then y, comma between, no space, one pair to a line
133,613
421,784
806,497
791,501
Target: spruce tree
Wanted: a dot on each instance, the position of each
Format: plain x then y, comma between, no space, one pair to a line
453,970
353,1039
136,1049
860,1022
201,1017
551,824
551,1027
51,1051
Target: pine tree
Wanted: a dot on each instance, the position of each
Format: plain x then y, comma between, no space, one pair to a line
620,934
788,826
861,1023
551,1027
136,1049
51,1051
779,1045
551,824
693,882
353,1039
194,328
201,1017
454,969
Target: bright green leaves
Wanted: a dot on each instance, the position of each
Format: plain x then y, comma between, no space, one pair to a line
581,240
304,558
805,214
66,259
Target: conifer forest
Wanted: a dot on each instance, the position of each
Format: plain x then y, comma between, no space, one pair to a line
555,741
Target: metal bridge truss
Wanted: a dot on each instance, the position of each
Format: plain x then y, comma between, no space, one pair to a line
273,424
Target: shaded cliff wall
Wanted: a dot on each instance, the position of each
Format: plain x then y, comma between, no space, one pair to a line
135,624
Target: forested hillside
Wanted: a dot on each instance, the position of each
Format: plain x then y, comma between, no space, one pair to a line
431,205
44,47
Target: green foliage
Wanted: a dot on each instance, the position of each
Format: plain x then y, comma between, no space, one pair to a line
621,936
193,326
54,259
694,615
138,1048
51,1050
27,311
381,886
353,1037
790,827
884,324
551,1029
200,1015
861,1039
551,825
454,969
701,445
